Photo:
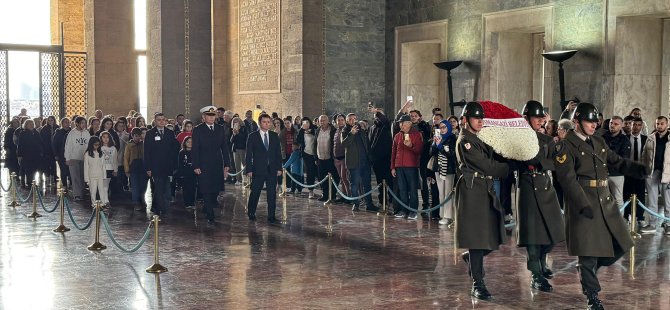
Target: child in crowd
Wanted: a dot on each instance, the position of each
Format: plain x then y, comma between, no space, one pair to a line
294,166
134,167
94,170
187,176
109,155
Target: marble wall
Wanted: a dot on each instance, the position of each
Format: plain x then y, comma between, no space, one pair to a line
301,64
166,50
606,70
420,78
71,14
111,59
354,49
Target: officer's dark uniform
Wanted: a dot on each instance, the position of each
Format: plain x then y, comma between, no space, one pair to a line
595,230
539,220
480,223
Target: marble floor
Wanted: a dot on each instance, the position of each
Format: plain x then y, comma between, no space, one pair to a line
322,258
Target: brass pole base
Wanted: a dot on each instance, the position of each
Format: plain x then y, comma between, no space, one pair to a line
156,268
96,246
61,229
284,221
14,204
282,195
34,215
328,203
635,235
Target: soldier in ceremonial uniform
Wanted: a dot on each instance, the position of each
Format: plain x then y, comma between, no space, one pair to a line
539,220
595,230
479,215
210,159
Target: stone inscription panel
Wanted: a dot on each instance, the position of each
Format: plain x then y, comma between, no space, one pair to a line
259,46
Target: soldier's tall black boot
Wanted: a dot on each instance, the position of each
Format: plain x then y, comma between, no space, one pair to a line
593,302
476,262
479,290
539,282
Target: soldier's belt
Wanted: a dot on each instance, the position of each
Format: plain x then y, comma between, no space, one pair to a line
593,183
481,176
535,173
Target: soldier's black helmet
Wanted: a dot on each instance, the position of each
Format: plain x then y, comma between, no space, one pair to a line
533,108
473,109
585,112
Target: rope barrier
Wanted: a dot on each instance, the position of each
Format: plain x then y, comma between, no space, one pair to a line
6,190
21,200
376,188
111,236
416,210
39,195
652,212
305,185
625,204
238,173
69,212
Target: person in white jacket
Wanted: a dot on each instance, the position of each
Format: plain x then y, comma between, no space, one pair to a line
109,155
94,170
75,146
656,156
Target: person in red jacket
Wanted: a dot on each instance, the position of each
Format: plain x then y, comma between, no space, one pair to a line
406,152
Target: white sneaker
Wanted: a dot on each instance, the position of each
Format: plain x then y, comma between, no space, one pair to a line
443,221
645,228
509,219
311,195
238,183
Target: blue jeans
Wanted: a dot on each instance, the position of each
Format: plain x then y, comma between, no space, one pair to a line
138,186
408,179
361,178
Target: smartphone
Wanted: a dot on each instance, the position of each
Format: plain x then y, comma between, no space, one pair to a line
437,133
370,105
406,137
410,98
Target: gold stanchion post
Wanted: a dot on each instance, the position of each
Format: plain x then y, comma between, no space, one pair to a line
330,190
633,218
156,267
384,211
62,228
631,267
283,184
284,213
329,227
15,203
34,214
97,246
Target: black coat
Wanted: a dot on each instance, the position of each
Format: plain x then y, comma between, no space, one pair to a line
619,144
381,140
210,155
261,161
539,218
58,143
46,134
577,163
479,215
30,149
10,150
160,154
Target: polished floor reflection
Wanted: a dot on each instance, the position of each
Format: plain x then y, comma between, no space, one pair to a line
322,258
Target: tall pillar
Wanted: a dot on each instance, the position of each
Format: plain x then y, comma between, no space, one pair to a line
170,49
71,14
111,56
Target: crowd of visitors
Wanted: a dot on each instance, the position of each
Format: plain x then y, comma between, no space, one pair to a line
104,156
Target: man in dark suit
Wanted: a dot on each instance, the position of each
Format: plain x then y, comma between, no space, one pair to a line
210,159
632,185
264,165
160,161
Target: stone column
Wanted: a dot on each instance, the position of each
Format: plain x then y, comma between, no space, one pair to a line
71,14
111,57
166,56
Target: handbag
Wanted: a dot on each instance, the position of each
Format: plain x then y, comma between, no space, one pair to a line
432,164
